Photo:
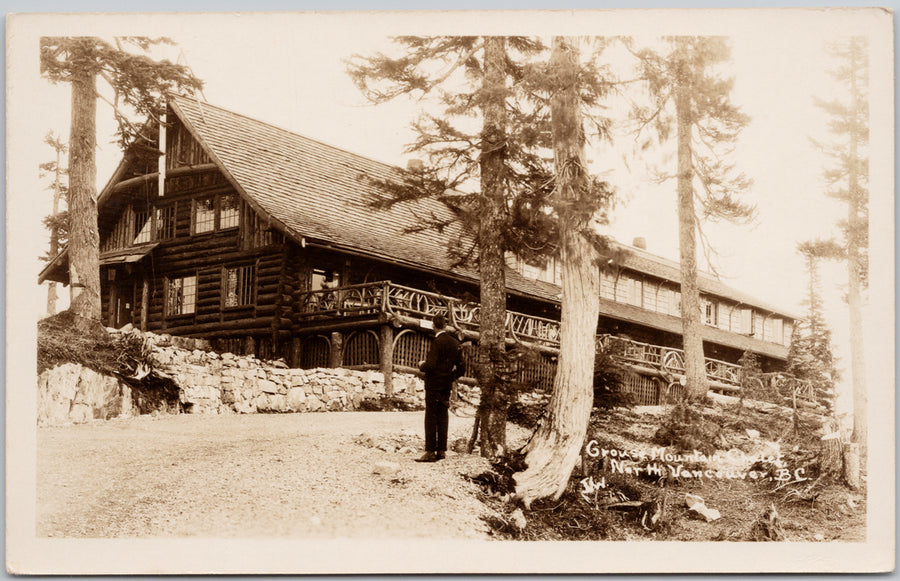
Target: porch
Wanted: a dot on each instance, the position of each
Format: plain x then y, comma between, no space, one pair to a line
658,370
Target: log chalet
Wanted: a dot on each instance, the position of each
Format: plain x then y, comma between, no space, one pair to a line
262,241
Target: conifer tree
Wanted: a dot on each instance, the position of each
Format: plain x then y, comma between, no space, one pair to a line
810,356
138,84
471,77
689,94
553,450
58,221
847,179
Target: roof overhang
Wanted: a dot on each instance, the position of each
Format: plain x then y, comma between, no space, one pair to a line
57,270
127,256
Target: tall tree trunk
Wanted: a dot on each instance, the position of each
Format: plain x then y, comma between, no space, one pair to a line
694,361
84,240
492,373
854,268
54,231
555,447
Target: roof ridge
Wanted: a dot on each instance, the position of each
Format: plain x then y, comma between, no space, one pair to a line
317,140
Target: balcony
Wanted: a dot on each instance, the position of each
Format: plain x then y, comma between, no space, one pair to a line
389,301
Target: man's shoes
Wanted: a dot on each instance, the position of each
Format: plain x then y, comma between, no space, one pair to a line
440,455
431,457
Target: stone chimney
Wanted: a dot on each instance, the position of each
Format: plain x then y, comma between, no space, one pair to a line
640,242
416,165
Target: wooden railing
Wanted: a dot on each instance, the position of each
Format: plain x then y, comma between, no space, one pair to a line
386,297
671,360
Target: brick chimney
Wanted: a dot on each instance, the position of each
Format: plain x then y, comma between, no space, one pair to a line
640,242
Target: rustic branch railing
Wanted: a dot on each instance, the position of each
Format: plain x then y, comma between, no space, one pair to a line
386,297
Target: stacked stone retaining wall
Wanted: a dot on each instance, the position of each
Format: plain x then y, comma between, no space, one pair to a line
213,383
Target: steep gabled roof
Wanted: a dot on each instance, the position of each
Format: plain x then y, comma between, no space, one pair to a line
320,193
314,191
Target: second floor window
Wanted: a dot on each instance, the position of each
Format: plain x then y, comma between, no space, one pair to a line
203,217
165,222
215,213
709,312
181,296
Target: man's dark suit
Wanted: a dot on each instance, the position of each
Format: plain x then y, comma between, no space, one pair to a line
443,366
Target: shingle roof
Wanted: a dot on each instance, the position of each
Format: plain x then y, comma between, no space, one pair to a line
318,192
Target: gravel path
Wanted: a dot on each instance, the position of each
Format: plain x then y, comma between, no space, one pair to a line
291,475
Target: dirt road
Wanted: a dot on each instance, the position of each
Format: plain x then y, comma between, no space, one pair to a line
291,475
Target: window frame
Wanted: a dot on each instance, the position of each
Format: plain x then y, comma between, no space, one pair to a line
217,208
167,290
253,286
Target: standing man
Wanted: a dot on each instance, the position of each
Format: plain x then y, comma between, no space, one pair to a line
442,366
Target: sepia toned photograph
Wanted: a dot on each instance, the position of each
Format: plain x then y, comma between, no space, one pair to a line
450,292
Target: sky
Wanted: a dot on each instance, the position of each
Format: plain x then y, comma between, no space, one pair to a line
289,70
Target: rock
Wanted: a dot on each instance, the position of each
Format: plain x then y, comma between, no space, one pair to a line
314,404
244,407
280,364
268,386
753,434
697,505
385,447
127,328
387,468
460,446
406,450
819,537
296,400
692,500
517,518
315,521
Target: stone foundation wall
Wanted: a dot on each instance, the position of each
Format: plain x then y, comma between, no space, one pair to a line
212,383
227,383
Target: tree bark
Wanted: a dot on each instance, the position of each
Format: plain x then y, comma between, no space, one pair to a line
556,445
492,409
694,360
84,239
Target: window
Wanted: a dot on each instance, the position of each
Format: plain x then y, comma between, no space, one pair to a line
203,217
165,222
324,279
709,312
675,303
216,213
142,226
777,331
229,212
747,321
181,296
238,284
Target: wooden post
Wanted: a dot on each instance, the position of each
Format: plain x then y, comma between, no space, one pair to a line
337,350
111,310
387,359
249,345
296,350
145,303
